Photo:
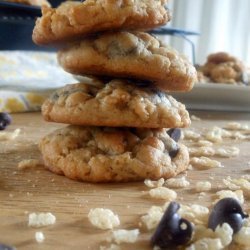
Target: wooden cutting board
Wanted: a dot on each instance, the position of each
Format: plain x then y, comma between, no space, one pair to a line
38,190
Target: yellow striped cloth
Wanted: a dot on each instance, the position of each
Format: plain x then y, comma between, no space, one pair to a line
28,78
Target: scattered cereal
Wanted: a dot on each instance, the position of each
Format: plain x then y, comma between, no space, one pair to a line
195,118
41,219
206,243
163,193
103,218
152,184
202,151
204,163
153,217
4,136
191,135
28,163
203,186
111,247
125,236
238,195
243,237
236,126
39,237
177,182
204,143
216,134
227,152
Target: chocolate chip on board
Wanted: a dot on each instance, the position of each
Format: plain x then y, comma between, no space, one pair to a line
172,230
5,120
227,210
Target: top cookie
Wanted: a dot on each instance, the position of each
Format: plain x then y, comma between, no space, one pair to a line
77,19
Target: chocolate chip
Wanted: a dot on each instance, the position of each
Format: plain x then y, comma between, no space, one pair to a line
174,133
5,247
227,210
172,230
5,120
173,152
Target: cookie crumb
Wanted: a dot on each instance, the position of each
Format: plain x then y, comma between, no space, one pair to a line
203,186
39,237
28,163
177,182
103,218
152,184
163,193
5,136
41,219
204,163
125,236
195,118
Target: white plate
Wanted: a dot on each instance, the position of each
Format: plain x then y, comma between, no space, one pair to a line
216,96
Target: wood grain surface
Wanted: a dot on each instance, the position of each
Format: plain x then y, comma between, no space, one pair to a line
38,190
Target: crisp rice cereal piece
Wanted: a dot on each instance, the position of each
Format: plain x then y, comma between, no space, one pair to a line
227,152
238,195
41,219
163,193
202,231
39,237
152,184
206,243
195,213
103,218
235,184
111,247
204,143
125,236
243,237
191,135
238,135
205,163
225,233
201,151
203,186
177,182
236,126
28,163
152,218
5,135
216,134
195,118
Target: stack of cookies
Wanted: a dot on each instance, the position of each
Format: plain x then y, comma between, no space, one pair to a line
123,124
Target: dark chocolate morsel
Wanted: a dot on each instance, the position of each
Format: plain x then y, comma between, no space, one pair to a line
175,134
5,247
172,230
173,152
5,120
227,210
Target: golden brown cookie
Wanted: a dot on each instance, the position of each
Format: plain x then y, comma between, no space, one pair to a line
223,68
117,103
99,154
130,55
77,19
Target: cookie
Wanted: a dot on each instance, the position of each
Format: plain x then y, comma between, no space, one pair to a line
117,103
135,55
77,19
224,68
101,154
